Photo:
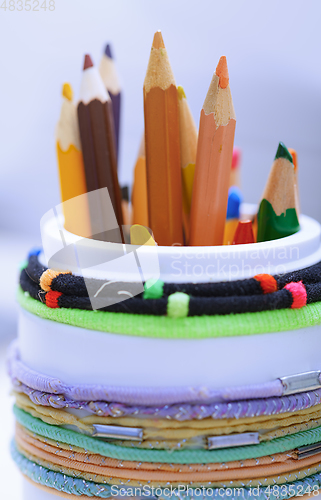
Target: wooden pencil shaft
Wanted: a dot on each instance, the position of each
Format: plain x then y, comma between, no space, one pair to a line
163,165
99,151
211,182
116,103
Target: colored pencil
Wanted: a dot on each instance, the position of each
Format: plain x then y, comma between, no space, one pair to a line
243,233
98,146
188,144
213,161
163,163
277,216
139,192
232,214
235,176
296,178
108,72
139,235
71,168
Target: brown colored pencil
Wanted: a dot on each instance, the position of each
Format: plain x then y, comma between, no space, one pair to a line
213,162
98,146
162,143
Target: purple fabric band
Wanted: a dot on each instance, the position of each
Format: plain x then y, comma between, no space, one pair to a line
150,396
241,409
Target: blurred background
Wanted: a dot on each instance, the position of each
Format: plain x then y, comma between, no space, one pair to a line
273,53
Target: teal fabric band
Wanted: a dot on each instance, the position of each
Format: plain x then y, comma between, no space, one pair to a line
105,449
196,327
77,486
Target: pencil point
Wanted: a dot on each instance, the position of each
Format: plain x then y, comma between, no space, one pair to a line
67,91
88,62
158,42
283,152
294,155
222,72
108,51
181,93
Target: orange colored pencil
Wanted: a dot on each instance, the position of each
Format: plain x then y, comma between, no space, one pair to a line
163,163
139,193
213,161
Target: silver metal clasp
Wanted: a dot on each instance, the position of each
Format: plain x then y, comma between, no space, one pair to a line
215,442
309,450
118,432
302,382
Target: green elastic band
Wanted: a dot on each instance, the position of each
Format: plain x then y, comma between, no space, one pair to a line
153,289
279,445
196,327
177,306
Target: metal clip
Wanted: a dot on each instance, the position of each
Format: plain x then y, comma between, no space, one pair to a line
309,450
118,432
244,439
302,382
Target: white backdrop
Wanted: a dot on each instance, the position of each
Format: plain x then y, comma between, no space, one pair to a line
273,52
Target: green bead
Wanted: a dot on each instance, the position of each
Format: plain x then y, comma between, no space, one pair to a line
177,306
153,289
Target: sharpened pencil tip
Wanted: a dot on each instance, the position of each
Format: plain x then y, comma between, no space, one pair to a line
283,152
222,72
158,42
67,91
88,62
294,157
108,51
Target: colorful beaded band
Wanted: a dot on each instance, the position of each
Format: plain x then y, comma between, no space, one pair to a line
179,304
68,284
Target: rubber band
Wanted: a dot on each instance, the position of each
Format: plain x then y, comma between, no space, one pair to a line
81,455
191,327
179,304
179,433
100,474
93,445
75,486
180,413
136,395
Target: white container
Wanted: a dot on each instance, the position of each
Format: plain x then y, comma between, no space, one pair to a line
112,261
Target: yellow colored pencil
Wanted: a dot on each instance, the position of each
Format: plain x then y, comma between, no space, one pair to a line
139,193
188,145
71,168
